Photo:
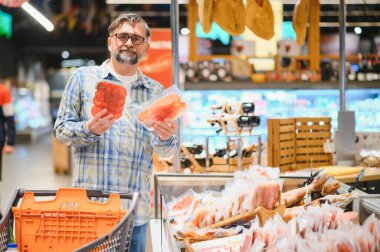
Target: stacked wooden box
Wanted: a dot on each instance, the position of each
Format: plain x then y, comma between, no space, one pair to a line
296,143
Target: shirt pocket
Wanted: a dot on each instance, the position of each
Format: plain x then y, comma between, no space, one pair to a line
128,123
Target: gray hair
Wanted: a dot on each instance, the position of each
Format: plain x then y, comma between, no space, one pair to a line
131,18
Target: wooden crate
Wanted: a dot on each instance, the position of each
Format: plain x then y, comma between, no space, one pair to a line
281,143
296,143
61,157
311,134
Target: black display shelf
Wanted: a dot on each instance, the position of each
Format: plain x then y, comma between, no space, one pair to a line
247,85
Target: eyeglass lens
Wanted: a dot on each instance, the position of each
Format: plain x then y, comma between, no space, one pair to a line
124,37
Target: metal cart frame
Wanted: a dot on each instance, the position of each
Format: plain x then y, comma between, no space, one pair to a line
118,240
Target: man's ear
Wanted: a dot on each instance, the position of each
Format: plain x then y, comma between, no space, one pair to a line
109,43
147,46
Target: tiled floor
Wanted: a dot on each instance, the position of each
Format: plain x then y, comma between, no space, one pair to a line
30,167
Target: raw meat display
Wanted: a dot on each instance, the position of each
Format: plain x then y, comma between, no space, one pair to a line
293,197
330,188
212,216
168,107
328,226
111,97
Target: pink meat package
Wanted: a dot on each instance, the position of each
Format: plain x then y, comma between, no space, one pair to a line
166,106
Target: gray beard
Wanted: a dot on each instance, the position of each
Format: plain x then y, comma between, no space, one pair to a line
131,58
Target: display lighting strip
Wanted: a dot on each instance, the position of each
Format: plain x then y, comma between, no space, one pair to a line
38,16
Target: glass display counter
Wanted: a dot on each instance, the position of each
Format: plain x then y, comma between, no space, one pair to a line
169,186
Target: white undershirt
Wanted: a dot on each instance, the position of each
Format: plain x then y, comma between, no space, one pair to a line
123,78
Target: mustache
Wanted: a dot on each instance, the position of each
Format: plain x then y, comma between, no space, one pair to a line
127,50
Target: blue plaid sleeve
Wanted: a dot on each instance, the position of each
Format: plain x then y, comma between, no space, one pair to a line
164,148
69,128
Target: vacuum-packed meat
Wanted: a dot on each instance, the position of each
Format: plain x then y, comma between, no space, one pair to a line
111,97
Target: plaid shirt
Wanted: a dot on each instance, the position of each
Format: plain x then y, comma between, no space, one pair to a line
119,160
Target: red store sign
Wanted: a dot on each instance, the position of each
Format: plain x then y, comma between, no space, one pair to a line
158,63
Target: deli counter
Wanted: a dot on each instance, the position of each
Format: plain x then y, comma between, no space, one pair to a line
172,186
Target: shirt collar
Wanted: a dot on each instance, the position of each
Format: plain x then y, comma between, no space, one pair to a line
106,74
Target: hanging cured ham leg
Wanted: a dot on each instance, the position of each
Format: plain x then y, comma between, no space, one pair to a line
259,18
292,197
300,19
229,15
205,14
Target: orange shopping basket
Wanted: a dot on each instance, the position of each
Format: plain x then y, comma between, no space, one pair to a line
69,222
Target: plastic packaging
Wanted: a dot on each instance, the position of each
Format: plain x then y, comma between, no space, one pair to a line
167,105
111,96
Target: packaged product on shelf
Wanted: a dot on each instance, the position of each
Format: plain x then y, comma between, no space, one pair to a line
166,106
111,96
191,71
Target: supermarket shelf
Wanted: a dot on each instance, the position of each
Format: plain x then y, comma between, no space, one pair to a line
247,85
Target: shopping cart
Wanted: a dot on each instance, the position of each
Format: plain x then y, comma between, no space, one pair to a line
117,240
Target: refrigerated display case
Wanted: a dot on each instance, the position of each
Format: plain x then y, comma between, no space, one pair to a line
172,186
283,103
32,115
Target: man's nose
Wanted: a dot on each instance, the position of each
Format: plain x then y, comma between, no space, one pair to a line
129,42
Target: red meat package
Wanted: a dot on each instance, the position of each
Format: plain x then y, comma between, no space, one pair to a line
166,106
109,96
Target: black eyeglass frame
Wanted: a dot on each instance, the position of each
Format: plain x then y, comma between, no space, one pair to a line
129,37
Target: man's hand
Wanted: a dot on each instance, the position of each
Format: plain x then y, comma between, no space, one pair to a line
8,149
165,130
99,125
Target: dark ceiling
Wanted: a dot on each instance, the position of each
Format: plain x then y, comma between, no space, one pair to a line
84,34
80,28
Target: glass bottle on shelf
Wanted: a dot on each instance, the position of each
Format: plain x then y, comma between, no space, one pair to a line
360,74
185,163
221,71
231,154
193,148
351,74
205,71
376,68
191,73
213,72
220,152
369,72
202,161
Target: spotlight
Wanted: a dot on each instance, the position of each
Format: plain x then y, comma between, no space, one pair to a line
185,31
65,54
358,30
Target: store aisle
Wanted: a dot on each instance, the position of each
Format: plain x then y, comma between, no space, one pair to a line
30,167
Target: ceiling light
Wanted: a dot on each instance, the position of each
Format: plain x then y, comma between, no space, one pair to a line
185,31
38,16
358,30
65,54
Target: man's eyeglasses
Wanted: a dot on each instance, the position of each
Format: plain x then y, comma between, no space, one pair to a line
124,37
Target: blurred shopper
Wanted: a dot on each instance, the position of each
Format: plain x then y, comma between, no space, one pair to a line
7,124
109,154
